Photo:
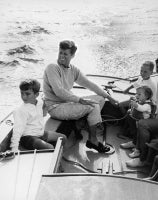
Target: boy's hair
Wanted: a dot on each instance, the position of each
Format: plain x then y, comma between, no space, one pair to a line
149,64
30,84
67,44
147,91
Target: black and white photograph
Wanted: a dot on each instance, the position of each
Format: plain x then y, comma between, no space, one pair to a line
78,99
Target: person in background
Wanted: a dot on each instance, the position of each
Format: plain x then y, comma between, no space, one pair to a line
147,132
28,129
154,170
152,160
142,107
62,104
145,79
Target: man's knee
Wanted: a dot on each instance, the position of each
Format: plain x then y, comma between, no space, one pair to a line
101,102
41,144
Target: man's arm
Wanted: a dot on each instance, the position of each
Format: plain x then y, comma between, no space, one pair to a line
135,84
85,82
141,108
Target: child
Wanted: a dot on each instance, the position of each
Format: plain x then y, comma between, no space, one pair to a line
28,127
145,79
141,108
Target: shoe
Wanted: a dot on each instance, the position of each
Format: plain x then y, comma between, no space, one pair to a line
135,154
127,145
135,163
100,148
133,149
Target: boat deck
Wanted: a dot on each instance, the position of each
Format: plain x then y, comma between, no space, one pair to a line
93,175
78,163
111,164
20,177
91,159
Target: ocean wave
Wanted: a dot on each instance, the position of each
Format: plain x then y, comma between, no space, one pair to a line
26,49
35,30
10,63
31,60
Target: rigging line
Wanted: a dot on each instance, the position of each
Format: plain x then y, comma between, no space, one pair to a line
132,78
115,119
113,77
16,175
33,165
155,176
78,164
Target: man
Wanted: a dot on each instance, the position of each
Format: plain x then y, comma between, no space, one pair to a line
62,104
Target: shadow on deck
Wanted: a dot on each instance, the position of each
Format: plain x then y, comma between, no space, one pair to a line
88,160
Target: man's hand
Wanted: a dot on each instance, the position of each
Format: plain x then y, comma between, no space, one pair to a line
87,102
113,101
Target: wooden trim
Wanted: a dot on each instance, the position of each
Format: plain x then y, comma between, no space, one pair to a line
98,175
56,157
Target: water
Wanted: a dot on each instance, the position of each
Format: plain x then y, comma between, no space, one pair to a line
113,37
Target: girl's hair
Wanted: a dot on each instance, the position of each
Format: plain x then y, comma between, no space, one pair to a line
150,64
67,44
147,91
30,84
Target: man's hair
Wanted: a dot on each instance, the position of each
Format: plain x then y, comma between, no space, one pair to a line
67,44
149,64
30,84
147,91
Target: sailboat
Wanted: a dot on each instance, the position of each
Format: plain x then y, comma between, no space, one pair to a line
76,172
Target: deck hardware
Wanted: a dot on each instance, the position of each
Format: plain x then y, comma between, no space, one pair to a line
9,122
5,118
7,155
106,166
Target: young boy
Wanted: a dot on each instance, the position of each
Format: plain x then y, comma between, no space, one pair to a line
28,127
145,79
141,108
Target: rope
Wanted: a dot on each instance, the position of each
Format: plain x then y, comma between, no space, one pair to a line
78,164
115,119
